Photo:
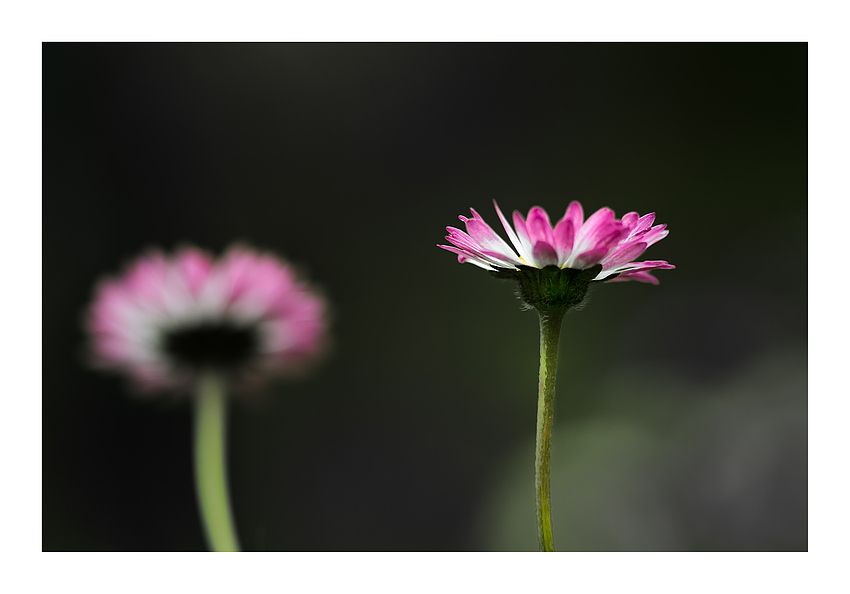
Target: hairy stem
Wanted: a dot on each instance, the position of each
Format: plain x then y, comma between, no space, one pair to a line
550,333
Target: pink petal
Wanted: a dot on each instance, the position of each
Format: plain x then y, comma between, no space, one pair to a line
589,258
462,240
645,222
491,259
145,280
270,283
236,268
630,220
487,239
194,266
638,275
604,238
566,229
473,249
626,270
105,313
655,234
463,256
544,255
512,234
522,232
538,227
624,254
598,226
659,264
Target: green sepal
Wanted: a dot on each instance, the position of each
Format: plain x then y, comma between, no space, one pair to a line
551,289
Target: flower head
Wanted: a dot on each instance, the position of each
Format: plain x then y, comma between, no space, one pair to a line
167,319
572,243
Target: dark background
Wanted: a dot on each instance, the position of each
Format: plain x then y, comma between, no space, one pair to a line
681,414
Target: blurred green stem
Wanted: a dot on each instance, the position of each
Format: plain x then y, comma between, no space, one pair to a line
550,333
210,470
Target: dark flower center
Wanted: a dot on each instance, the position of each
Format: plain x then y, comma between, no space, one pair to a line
222,345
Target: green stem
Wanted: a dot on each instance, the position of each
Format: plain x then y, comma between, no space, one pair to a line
210,471
550,333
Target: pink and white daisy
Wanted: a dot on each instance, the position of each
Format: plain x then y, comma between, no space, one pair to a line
167,320
572,243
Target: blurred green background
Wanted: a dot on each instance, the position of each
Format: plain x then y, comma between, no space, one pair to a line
681,416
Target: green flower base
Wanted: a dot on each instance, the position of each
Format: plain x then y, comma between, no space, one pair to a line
551,289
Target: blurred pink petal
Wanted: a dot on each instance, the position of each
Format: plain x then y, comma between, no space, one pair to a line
245,315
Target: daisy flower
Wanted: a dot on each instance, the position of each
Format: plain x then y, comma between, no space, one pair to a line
572,243
554,266
167,320
192,323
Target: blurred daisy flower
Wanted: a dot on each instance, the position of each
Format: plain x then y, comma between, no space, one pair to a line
192,323
572,243
167,320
